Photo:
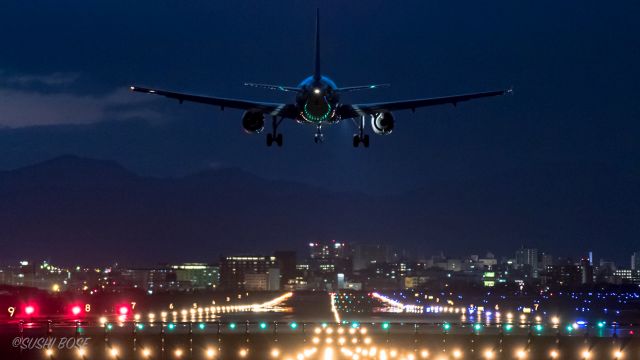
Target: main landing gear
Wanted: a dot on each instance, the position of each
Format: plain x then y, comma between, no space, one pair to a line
361,137
273,136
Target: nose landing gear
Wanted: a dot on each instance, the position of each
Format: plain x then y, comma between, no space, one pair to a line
318,138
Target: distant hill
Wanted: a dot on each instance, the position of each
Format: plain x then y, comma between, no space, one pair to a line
77,210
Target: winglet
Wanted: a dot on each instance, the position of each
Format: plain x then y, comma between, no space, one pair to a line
316,71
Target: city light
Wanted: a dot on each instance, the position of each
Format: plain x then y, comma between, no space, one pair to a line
123,310
446,326
232,326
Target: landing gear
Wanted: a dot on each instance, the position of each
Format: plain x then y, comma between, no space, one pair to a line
274,136
364,140
318,138
361,137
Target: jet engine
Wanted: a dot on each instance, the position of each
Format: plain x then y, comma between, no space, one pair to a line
382,123
252,122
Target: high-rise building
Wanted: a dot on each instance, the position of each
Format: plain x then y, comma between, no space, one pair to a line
234,268
329,258
586,271
635,261
199,275
527,259
286,261
365,255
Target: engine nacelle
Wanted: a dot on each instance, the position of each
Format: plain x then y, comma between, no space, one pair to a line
382,123
252,122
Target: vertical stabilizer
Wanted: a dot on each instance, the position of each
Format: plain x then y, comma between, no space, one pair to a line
316,70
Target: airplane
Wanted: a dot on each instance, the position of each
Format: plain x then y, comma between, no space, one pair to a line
317,103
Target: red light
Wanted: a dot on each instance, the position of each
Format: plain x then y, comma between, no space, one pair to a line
29,310
123,310
76,310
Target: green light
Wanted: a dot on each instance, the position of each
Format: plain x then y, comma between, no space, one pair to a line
569,328
385,326
312,117
263,325
171,326
324,325
355,324
601,324
140,326
538,327
446,326
201,326
508,327
109,326
293,325
477,327
232,326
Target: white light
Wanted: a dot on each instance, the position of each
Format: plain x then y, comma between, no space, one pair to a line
316,91
488,354
457,354
275,353
243,352
424,354
617,354
49,352
586,354
178,353
554,354
146,352
82,352
521,354
114,352
211,353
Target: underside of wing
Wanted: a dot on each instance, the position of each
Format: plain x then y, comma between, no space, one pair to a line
275,109
355,110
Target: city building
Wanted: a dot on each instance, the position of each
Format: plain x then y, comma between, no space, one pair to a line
199,275
234,268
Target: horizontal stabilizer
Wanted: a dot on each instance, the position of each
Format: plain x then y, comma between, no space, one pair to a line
362,87
273,87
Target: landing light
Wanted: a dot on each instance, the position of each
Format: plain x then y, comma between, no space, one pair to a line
316,91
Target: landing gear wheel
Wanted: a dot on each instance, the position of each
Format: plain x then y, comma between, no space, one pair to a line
269,139
278,139
365,141
356,140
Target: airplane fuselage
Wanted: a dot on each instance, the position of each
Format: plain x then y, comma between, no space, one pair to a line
318,100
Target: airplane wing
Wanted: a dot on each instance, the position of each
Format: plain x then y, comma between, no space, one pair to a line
361,87
355,110
275,109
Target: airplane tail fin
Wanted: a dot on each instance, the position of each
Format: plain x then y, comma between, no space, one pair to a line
316,71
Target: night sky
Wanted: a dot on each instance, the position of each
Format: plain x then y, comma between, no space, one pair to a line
65,68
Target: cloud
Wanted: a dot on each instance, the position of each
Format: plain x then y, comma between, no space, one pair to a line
21,108
53,79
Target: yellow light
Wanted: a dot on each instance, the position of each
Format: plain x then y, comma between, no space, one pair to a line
49,352
103,320
409,357
243,352
82,352
352,331
55,288
340,331
275,353
211,353
555,320
329,331
146,352
178,353
521,354
114,352
317,330
315,340
342,340
617,354
363,331
424,354
393,353
586,354
488,354
554,354
329,340
457,354
367,340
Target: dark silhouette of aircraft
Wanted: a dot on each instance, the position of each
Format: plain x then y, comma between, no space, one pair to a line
317,103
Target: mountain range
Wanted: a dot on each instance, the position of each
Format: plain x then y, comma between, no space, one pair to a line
75,210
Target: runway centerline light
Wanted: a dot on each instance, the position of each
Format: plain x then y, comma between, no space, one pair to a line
178,353
521,354
49,352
